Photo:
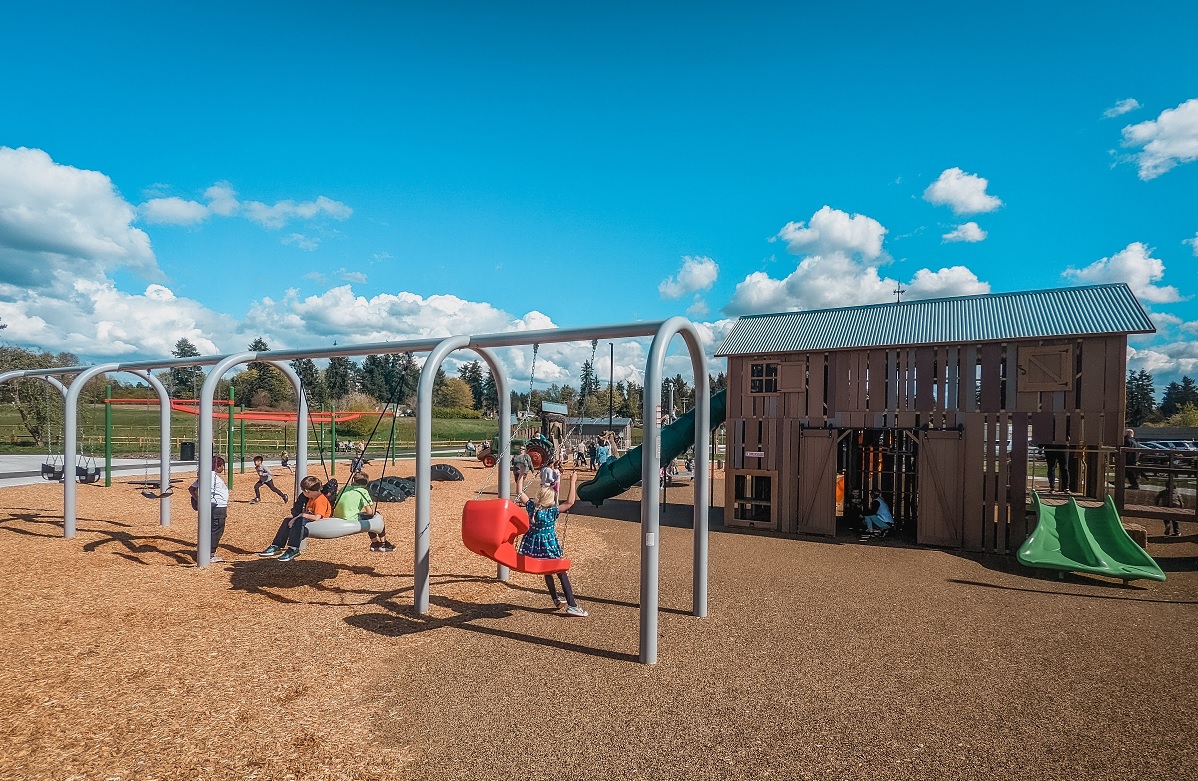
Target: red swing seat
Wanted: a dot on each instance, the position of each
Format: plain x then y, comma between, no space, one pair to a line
490,528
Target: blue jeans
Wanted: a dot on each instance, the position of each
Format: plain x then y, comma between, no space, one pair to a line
876,522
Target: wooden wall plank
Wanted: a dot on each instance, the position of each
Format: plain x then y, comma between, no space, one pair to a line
991,377
1115,386
925,379
953,379
892,380
968,375
876,389
971,509
1018,529
1002,431
815,388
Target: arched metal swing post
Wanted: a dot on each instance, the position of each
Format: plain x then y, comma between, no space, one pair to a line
504,441
70,456
300,470
651,487
164,444
204,456
424,458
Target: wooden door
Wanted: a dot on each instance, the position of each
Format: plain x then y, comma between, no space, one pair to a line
941,489
817,482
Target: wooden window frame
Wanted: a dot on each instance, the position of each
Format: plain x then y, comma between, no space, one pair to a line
766,382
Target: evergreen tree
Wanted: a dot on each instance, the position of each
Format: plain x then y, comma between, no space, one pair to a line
1141,398
185,381
403,377
339,377
490,392
374,377
312,381
1178,395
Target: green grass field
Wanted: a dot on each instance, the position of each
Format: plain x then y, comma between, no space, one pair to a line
135,432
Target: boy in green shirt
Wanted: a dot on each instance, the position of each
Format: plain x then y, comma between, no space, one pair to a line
355,504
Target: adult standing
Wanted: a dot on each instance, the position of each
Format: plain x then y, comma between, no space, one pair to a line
1130,459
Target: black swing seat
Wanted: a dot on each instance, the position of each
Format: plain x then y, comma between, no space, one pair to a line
87,474
52,471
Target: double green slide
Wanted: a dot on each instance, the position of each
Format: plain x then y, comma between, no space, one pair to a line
618,475
1074,538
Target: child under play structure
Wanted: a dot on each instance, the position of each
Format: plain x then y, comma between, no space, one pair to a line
540,541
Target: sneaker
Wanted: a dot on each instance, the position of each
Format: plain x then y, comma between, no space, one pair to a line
273,550
560,601
254,501
575,610
216,560
376,547
386,547
289,554
284,498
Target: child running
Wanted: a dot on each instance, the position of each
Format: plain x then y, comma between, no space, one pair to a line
291,530
355,502
265,478
540,542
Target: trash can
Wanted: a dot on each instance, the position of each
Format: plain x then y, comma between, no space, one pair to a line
187,451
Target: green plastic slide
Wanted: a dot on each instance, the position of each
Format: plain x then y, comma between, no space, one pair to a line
1073,538
616,477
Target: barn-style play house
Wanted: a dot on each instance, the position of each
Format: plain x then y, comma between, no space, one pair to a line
937,403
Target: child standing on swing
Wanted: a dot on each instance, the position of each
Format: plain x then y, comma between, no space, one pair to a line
540,541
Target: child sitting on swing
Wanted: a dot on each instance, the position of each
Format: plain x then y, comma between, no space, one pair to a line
540,541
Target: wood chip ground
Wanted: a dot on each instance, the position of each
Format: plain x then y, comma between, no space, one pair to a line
821,659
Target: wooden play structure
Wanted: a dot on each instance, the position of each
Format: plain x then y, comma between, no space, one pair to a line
936,403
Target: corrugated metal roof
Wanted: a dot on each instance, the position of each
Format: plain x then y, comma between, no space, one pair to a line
1071,311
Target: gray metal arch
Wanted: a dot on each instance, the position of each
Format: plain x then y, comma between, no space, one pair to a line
164,444
204,467
424,456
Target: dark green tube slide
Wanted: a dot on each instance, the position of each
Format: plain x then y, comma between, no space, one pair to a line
616,477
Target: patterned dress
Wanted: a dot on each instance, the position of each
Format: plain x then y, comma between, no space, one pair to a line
540,542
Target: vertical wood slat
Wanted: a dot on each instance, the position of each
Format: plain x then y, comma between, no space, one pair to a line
1010,373
952,378
968,375
988,481
910,402
924,378
860,380
738,390
877,380
815,389
1115,404
1018,530
991,387
1002,431
971,509
1093,385
891,380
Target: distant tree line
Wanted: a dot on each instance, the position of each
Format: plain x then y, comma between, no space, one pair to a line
1178,407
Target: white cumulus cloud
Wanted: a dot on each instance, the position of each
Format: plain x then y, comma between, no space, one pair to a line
1134,265
831,231
279,214
1165,142
969,232
963,193
173,211
1193,243
846,272
1122,107
58,222
697,273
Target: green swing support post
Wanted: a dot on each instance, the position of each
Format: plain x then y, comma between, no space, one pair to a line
108,436
241,438
229,440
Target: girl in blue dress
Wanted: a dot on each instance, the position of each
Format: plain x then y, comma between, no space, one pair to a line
540,541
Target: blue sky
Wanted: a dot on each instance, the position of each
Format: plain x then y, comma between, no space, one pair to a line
317,172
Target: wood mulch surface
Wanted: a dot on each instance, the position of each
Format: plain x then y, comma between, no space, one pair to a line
820,658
